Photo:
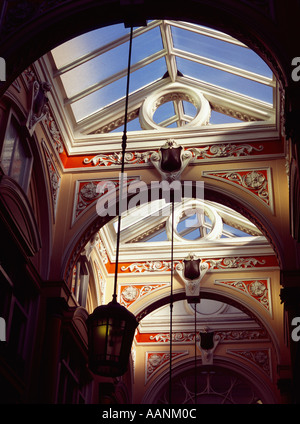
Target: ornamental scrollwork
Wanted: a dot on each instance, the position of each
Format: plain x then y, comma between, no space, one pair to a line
258,182
54,177
224,150
224,336
198,153
116,158
257,289
150,266
235,263
253,180
223,263
56,137
260,357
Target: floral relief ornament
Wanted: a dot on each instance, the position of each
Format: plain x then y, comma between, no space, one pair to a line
131,293
256,181
156,360
257,289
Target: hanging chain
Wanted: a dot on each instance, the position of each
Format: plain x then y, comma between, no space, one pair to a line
124,143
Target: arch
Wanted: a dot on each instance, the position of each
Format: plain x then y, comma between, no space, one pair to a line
188,364
215,294
31,31
95,222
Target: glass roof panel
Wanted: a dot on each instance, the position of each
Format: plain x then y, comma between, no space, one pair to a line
189,109
148,74
117,89
226,80
221,118
93,68
133,125
163,112
86,43
111,62
146,44
99,99
219,50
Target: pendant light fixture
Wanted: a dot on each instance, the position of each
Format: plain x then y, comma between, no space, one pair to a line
111,327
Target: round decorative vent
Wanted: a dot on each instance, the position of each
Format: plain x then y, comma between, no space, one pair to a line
176,93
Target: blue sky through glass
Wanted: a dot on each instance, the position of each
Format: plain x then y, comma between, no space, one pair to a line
225,79
86,43
219,50
116,90
220,118
108,66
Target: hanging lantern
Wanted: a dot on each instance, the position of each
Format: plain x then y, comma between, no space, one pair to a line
111,327
111,330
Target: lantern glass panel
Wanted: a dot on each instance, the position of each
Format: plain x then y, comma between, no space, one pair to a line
115,336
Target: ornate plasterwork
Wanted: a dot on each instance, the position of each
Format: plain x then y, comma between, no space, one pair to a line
225,336
214,264
258,289
246,117
174,91
38,95
131,293
185,158
111,159
192,286
260,357
38,107
55,134
87,193
53,174
156,360
142,158
101,284
257,182
102,251
224,151
116,123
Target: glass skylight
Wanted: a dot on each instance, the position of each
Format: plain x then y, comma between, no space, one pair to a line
151,225
92,69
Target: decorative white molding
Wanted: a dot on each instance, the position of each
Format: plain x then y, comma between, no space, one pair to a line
190,207
53,174
223,263
193,154
55,134
115,159
170,93
232,335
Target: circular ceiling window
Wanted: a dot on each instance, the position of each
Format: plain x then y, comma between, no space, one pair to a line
174,106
